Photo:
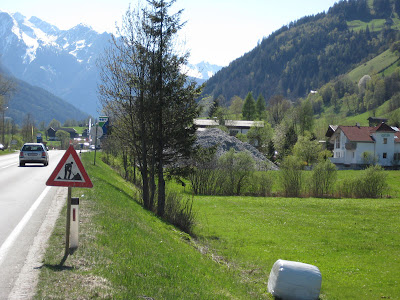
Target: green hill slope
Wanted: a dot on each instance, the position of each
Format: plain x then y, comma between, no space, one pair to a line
347,102
376,65
42,105
311,52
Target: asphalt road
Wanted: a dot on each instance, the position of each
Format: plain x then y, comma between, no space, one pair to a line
24,204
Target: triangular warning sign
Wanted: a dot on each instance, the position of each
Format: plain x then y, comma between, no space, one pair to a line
70,172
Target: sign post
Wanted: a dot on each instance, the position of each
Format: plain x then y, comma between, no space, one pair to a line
70,173
96,132
74,225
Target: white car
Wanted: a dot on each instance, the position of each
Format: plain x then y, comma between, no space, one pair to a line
33,153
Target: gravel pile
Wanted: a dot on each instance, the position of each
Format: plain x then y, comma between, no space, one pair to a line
215,136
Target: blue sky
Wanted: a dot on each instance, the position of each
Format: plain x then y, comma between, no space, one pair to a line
217,31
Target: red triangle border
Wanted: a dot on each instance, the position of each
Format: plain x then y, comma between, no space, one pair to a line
70,151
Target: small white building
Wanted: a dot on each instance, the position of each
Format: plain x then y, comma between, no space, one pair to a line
382,143
234,126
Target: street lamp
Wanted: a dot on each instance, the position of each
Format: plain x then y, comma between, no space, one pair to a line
4,110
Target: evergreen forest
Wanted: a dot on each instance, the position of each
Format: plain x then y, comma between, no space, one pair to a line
310,52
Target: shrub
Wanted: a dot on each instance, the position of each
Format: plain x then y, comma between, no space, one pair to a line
323,178
179,211
204,176
291,173
236,169
374,182
205,181
368,158
259,184
307,149
371,184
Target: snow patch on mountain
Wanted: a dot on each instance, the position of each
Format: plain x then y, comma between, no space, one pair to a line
202,70
63,61
32,36
79,45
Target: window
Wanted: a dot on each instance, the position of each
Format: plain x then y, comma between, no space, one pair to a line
338,142
385,141
384,155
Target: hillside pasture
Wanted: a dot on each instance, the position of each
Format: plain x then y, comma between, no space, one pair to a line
374,66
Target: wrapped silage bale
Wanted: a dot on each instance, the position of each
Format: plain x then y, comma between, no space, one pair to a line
290,280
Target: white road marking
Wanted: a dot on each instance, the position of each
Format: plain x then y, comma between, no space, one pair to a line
4,167
27,280
17,230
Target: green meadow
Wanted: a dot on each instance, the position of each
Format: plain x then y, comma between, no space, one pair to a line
127,253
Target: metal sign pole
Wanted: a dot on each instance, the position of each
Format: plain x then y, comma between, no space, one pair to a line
95,143
67,231
80,178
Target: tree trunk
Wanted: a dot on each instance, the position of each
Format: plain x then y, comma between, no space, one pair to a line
144,170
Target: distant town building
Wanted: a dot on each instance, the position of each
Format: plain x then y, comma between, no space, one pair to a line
51,133
234,126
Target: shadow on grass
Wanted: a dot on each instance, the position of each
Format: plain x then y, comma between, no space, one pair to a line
119,190
56,268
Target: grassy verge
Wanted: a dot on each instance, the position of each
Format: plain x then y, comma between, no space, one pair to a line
127,253
354,242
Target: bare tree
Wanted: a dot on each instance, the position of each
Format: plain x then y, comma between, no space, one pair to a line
7,87
28,129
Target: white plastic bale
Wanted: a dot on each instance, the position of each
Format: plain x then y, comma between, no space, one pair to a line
290,280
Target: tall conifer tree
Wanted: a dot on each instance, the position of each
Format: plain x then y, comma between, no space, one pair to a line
249,107
260,106
152,102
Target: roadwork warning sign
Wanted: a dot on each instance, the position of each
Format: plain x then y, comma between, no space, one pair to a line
70,172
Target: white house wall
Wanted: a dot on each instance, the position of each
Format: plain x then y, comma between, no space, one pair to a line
397,147
382,148
361,148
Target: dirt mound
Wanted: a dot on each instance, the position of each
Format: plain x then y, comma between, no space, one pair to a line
215,136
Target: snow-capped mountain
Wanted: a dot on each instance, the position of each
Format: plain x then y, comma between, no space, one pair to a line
62,61
201,71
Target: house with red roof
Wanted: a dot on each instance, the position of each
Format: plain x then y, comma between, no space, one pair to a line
355,145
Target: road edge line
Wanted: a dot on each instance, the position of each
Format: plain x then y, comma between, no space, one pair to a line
17,230
25,285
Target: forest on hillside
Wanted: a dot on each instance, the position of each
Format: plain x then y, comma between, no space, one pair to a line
308,53
335,68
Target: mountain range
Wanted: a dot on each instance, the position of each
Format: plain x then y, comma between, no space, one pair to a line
299,57
62,62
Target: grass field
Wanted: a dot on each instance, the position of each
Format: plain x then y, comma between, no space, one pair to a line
374,66
354,243
127,253
374,25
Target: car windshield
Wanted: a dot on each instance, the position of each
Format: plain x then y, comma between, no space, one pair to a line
32,148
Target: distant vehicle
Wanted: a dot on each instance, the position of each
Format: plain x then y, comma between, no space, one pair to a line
1,147
33,153
93,147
